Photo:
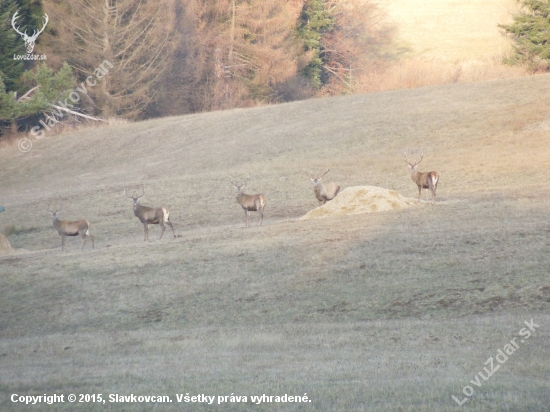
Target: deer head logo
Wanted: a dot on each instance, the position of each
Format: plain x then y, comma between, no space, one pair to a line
29,40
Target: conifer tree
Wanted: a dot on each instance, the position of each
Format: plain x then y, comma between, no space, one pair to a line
531,32
314,22
10,45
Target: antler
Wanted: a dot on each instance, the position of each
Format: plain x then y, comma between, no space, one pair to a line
310,176
47,19
319,178
134,195
13,24
52,211
413,164
236,184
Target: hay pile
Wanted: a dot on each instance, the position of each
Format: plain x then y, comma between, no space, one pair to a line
361,199
5,246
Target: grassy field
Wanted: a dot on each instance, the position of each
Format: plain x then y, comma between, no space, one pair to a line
452,30
390,311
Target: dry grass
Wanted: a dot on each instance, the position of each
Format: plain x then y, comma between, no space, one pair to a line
359,200
450,30
445,41
410,73
380,312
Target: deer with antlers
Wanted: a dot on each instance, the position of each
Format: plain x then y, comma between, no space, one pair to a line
150,215
424,180
323,192
66,228
29,40
249,203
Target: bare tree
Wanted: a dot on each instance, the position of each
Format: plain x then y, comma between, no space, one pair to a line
134,36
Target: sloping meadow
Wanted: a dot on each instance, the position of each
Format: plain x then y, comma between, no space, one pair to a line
397,309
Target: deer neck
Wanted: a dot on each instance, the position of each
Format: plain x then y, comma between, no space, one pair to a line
240,197
56,223
414,175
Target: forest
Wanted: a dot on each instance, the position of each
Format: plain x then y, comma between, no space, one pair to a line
173,57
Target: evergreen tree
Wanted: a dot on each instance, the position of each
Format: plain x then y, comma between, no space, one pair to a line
531,32
10,44
53,87
315,20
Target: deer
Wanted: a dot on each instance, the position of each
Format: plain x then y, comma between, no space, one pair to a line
29,40
249,203
424,180
323,192
66,228
150,215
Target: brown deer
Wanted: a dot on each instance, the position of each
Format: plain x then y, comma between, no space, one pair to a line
323,192
66,228
150,216
424,180
249,203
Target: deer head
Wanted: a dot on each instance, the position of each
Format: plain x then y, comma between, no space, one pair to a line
237,186
54,212
29,40
315,180
134,196
413,166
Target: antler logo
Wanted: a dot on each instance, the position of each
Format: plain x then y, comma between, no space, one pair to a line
29,40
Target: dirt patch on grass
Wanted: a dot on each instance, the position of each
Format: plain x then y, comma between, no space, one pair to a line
361,199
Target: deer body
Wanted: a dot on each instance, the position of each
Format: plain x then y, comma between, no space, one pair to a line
151,216
250,203
66,228
424,180
323,192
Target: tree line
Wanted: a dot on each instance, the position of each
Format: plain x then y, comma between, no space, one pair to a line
173,57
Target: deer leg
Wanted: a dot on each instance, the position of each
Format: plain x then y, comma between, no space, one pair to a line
419,192
247,212
86,236
163,228
62,242
261,216
146,231
170,224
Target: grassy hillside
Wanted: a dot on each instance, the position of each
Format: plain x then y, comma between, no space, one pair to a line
381,312
452,30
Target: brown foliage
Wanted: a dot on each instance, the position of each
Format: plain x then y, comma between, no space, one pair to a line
135,36
356,46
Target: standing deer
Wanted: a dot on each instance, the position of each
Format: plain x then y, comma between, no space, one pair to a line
66,228
249,203
424,180
150,216
323,193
